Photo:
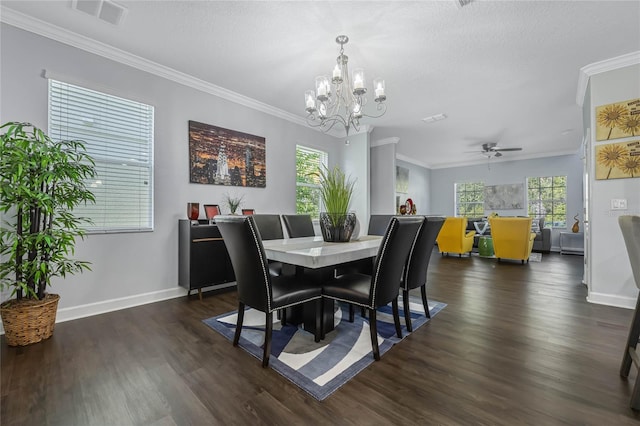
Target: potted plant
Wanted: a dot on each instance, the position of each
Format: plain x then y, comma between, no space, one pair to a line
41,182
336,190
233,202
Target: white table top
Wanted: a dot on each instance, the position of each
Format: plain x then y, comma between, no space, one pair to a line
313,252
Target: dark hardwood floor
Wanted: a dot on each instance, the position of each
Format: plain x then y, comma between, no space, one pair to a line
517,344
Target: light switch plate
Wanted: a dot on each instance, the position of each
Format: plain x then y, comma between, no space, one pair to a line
618,204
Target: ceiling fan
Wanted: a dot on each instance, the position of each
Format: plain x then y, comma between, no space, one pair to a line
491,149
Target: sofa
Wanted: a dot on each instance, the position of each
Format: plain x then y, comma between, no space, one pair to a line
542,242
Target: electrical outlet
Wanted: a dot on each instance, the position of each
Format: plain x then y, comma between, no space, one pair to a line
618,204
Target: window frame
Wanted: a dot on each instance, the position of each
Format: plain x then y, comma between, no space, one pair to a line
108,158
324,157
552,201
457,203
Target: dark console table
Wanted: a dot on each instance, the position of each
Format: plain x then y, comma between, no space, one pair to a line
203,260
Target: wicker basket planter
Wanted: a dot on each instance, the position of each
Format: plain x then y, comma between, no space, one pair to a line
29,321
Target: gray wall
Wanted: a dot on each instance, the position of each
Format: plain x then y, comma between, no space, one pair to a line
611,281
355,163
419,187
143,266
383,178
508,172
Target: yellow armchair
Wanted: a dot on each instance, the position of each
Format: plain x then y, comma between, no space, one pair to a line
512,237
453,236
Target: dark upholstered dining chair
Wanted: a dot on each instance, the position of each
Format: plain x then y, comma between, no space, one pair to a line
415,273
630,226
211,210
380,288
298,225
269,225
270,228
378,224
256,287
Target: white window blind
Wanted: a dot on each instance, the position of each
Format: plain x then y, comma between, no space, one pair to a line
118,134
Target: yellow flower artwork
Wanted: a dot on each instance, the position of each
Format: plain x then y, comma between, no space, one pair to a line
618,160
619,120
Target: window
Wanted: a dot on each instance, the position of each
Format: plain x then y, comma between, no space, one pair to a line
308,162
548,199
118,134
470,199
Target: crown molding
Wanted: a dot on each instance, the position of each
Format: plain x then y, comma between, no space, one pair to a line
482,161
412,161
385,141
53,32
611,64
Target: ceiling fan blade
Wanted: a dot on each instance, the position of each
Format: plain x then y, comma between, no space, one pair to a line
507,149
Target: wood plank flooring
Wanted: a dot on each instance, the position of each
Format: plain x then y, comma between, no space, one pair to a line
517,344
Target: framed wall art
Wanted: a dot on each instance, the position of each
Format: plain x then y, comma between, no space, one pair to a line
619,120
504,197
220,156
618,160
402,180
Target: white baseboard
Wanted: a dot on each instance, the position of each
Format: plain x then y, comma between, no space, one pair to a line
612,300
90,309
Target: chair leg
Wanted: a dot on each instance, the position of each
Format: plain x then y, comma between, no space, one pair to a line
632,341
425,302
318,334
322,318
283,317
396,317
407,312
373,327
236,336
351,313
635,396
363,312
267,339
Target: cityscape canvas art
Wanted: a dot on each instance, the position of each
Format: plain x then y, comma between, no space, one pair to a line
221,156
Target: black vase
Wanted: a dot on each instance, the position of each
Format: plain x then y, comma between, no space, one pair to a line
337,228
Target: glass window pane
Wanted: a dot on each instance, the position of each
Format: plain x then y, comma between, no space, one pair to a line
469,199
308,162
548,199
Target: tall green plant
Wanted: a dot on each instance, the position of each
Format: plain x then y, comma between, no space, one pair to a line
336,191
41,182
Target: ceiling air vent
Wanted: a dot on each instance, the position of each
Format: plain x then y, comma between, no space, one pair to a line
104,10
433,118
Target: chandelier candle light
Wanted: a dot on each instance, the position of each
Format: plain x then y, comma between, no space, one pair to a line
342,99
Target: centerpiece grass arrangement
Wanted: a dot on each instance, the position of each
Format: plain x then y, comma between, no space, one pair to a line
233,202
336,191
41,183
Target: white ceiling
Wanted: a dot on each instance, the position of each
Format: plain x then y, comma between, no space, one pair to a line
502,71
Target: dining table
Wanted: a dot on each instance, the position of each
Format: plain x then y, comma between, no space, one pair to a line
315,253
318,259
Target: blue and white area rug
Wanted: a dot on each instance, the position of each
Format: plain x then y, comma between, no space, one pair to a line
321,368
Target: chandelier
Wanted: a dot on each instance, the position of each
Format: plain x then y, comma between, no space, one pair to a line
341,99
